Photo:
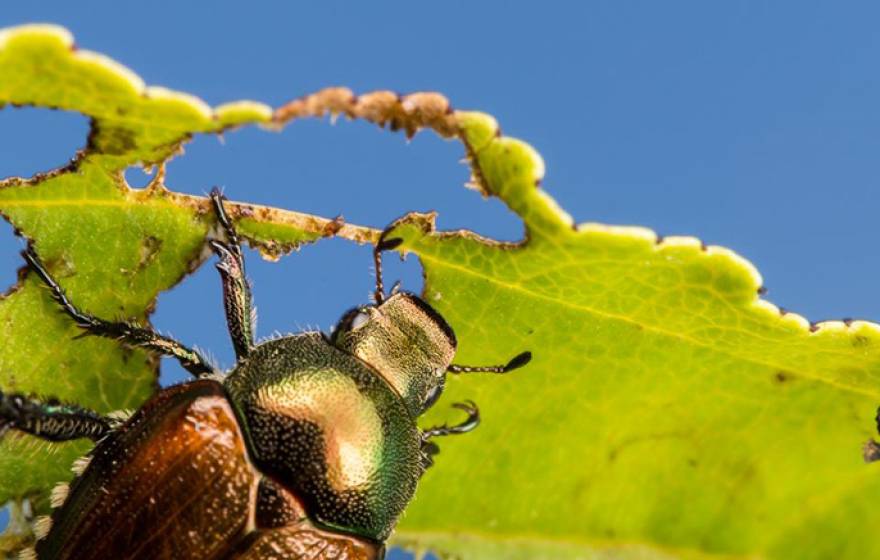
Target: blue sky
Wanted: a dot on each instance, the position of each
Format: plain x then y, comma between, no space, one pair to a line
752,125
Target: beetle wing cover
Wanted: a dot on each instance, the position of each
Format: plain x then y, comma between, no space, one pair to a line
174,482
302,542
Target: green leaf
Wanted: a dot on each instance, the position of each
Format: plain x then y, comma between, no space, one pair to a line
666,404
114,248
669,412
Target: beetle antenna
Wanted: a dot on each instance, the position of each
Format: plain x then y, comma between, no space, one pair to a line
517,362
382,245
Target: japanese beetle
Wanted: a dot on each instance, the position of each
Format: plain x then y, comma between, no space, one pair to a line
307,448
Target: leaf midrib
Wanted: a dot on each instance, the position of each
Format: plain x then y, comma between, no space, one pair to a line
646,326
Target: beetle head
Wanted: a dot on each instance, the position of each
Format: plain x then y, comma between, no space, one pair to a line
406,341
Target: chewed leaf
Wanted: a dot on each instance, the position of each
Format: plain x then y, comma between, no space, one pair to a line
113,248
666,402
668,410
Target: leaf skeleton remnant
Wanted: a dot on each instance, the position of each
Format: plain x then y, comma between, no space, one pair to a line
669,412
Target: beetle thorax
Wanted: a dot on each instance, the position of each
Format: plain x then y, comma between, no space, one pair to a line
406,341
323,425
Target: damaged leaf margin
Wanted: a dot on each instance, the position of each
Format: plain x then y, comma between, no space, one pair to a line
150,238
608,312
679,327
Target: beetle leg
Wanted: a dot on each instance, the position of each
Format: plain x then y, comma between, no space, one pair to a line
469,424
382,245
472,421
240,315
51,420
430,449
126,332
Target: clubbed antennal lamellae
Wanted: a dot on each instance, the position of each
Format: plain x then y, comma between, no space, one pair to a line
517,362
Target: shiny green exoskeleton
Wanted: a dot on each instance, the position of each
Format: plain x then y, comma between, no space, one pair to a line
307,448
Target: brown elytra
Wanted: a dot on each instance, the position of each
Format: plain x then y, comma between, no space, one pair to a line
175,481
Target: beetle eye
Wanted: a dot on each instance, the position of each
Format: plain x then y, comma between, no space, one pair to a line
351,321
432,397
359,320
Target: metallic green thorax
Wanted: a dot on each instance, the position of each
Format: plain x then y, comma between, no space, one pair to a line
323,423
335,419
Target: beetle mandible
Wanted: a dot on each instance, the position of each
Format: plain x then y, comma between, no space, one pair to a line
307,448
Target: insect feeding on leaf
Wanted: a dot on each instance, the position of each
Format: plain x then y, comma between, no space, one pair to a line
307,447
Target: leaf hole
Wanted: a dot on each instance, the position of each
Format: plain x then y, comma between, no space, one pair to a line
33,141
38,140
368,175
139,177
15,520
308,290
10,260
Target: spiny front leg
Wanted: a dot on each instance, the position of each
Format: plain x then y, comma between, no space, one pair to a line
430,449
240,316
127,333
50,420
